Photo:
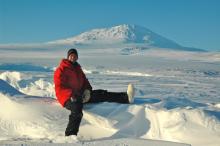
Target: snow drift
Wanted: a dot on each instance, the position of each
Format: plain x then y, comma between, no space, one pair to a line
39,119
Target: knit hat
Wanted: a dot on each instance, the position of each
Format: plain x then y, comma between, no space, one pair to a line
72,50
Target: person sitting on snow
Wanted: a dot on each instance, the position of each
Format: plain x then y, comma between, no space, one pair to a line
73,90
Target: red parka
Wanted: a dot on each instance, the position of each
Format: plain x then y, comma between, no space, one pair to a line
70,81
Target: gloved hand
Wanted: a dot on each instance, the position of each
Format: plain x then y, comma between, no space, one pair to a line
86,96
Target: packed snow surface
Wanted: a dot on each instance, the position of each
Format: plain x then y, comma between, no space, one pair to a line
176,100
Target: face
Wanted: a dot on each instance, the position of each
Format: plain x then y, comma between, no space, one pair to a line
73,58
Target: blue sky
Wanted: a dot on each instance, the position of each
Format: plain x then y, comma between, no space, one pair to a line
192,23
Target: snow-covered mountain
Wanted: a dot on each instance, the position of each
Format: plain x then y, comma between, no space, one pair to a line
121,36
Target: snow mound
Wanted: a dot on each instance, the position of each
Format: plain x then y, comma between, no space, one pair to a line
30,118
43,119
26,83
217,105
12,77
39,87
8,89
184,125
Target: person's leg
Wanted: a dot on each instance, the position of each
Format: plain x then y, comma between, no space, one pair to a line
105,96
74,118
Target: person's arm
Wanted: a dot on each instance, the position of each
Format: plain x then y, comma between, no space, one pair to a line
63,92
86,82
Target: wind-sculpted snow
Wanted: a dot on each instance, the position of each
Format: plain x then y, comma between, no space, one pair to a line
176,100
7,89
43,120
179,119
29,83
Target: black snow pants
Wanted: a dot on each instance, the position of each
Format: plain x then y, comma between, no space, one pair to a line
96,96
